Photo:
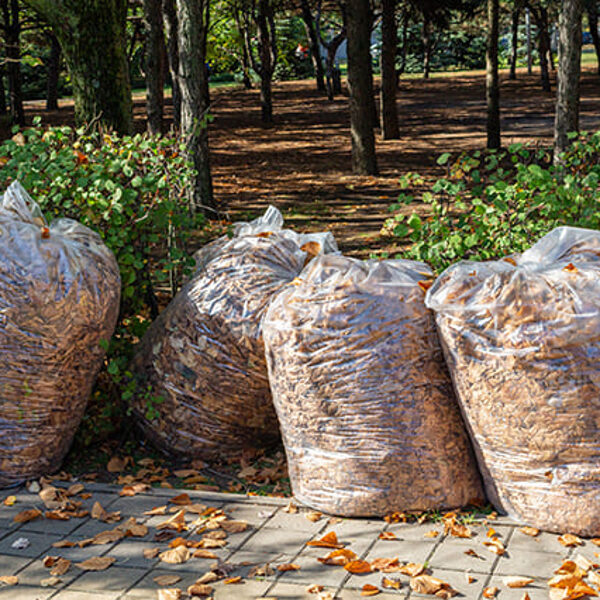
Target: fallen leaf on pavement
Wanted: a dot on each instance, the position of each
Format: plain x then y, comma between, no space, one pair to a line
490,592
432,534
569,540
202,553
133,489
471,552
339,557
9,579
165,580
315,588
199,589
131,528
358,567
469,578
495,545
104,537
27,515
583,563
64,544
291,508
394,584
96,563
525,596
412,569
595,541
181,500
327,541
176,522
517,582
594,577
151,552
426,584
261,571
10,501
532,531
157,510
50,581
175,556
387,535
232,580
369,590
61,566
101,515
288,567
233,526
209,577
314,516
169,594
76,488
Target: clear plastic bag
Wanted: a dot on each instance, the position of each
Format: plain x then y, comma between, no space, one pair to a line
59,296
365,404
203,358
522,341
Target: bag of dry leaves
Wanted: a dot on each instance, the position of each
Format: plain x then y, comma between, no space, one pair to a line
59,297
203,358
366,407
522,341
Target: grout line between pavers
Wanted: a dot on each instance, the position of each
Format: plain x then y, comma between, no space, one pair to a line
495,564
131,587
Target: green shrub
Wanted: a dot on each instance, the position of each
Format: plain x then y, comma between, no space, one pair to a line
496,203
132,191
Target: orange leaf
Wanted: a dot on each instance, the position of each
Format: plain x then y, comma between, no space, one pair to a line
369,590
338,557
490,592
568,539
532,531
236,579
9,579
327,541
358,567
394,584
288,567
181,500
133,489
27,515
387,535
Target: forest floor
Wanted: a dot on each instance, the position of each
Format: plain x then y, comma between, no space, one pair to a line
302,163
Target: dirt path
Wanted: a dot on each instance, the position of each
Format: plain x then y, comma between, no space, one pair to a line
302,163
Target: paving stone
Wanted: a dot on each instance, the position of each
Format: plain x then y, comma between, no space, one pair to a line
35,571
77,554
406,550
253,514
113,579
10,565
276,541
297,522
289,591
522,562
358,536
22,592
544,542
451,555
312,571
351,594
80,595
53,527
135,506
536,591
38,543
243,563
130,553
249,589
146,588
457,579
90,528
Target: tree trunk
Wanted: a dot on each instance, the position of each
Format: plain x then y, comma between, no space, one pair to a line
12,33
154,65
528,28
246,66
514,50
492,87
592,12
427,25
53,73
267,55
92,38
402,67
358,25
541,19
313,42
3,107
192,18
171,26
569,66
389,43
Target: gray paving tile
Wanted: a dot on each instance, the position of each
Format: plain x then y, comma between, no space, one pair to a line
254,514
458,580
297,522
248,589
52,526
351,594
536,591
276,541
113,579
130,553
77,554
35,571
406,550
297,591
80,595
451,555
535,564
135,506
22,592
146,588
38,543
544,542
10,565
312,571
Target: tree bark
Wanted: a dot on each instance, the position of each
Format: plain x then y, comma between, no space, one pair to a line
514,43
171,26
3,107
267,56
154,65
541,20
53,73
358,19
569,67
592,12
12,33
192,19
246,66
427,25
492,87
313,42
402,67
92,38
389,44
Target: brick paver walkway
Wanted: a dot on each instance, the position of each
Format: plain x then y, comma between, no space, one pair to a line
274,536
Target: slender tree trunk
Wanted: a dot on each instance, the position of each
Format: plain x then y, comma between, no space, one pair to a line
313,42
541,19
171,27
53,72
192,29
92,38
427,25
550,53
402,67
246,66
569,67
12,33
528,29
3,107
492,87
358,25
266,42
592,12
155,83
514,50
389,43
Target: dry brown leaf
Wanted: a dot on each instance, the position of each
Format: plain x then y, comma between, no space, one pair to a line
104,537
583,563
471,552
9,579
288,567
386,565
166,580
61,566
96,563
495,545
209,577
291,508
426,584
49,561
175,556
517,582
595,541
201,553
52,497
594,577
432,534
195,508
327,541
358,567
233,526
490,592
27,515
131,528
454,528
157,510
199,589
50,581
412,569
74,489
176,522
116,464
369,590
151,552
387,535
210,543
101,515
261,571
569,540
314,516
315,588
394,584
169,594
64,544
339,557
532,531
181,500
469,578
9,501
525,596
231,580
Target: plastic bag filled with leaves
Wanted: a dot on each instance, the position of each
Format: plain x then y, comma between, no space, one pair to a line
522,341
59,298
203,386
366,407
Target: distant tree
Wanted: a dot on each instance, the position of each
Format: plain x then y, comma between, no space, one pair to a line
313,42
171,28
591,7
569,67
389,45
3,107
539,12
10,25
193,21
154,64
337,29
492,85
53,72
359,19
514,40
92,38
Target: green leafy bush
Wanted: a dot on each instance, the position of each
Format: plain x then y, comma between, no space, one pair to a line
496,203
132,191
